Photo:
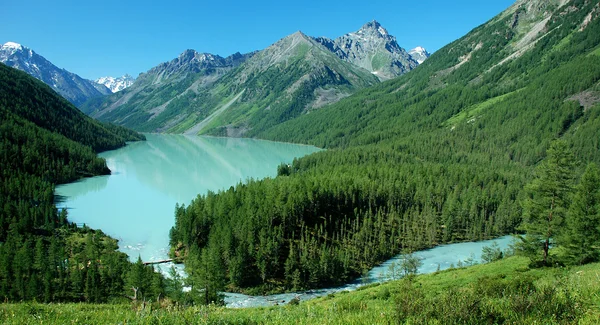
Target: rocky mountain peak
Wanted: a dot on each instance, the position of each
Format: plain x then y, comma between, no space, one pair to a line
296,37
193,56
372,48
373,28
191,61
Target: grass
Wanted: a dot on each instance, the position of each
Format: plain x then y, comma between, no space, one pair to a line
562,296
595,52
475,110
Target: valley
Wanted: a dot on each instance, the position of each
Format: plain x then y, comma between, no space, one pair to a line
494,134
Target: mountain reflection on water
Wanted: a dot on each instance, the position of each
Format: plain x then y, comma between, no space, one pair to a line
136,203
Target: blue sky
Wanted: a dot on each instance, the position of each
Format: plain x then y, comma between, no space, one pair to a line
109,37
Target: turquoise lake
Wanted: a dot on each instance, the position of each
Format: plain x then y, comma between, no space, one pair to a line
136,203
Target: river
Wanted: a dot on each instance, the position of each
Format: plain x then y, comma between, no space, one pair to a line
440,257
136,203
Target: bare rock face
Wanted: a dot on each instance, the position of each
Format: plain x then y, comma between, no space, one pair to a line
373,49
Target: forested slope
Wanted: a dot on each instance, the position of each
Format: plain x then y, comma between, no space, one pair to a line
440,154
44,140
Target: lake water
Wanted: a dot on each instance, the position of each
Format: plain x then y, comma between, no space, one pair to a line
136,203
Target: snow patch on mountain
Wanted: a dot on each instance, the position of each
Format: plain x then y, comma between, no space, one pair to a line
116,84
419,54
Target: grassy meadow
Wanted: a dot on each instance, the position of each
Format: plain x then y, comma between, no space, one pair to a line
503,292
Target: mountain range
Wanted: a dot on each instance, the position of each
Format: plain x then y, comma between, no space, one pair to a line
69,85
245,93
206,93
534,59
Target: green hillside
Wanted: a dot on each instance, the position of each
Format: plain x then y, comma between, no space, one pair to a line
440,154
44,141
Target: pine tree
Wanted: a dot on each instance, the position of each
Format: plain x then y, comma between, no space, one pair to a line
582,237
211,276
136,281
174,285
547,202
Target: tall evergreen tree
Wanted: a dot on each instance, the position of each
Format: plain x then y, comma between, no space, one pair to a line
206,276
547,202
582,237
136,281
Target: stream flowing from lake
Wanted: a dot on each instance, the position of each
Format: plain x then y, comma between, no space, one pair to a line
438,258
136,203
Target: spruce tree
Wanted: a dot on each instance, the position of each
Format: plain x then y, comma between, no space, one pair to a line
211,277
547,202
582,237
136,281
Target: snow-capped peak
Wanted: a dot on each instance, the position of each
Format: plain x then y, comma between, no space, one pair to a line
419,54
12,45
116,84
419,49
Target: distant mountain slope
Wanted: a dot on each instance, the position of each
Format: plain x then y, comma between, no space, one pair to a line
69,85
159,99
195,92
116,84
243,95
373,49
289,78
524,70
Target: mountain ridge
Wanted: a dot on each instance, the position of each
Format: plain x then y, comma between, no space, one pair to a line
69,85
374,49
291,77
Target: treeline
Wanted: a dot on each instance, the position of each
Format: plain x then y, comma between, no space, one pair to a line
44,141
